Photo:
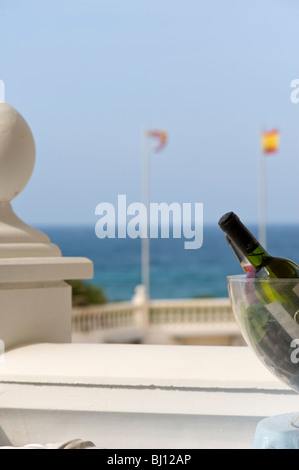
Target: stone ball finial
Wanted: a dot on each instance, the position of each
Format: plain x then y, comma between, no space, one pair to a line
17,158
17,152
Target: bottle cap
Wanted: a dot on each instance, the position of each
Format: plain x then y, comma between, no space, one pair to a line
236,230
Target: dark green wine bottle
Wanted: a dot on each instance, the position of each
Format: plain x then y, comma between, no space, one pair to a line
265,265
281,298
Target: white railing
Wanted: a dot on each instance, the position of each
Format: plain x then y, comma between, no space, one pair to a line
103,317
198,312
174,318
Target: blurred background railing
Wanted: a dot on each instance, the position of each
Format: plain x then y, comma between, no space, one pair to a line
182,321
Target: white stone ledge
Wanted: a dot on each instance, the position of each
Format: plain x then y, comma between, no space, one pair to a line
44,269
138,365
137,396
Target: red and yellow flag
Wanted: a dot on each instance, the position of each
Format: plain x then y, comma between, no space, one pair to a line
270,141
162,138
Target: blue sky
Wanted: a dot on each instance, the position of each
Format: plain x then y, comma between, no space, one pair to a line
88,75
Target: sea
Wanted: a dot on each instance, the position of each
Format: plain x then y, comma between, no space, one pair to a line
175,272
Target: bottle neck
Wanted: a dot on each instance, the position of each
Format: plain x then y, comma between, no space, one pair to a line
246,265
244,240
258,257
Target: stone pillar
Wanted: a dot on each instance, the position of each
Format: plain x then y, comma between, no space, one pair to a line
35,300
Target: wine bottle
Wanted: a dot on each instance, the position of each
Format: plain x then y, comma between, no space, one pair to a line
246,266
280,298
265,265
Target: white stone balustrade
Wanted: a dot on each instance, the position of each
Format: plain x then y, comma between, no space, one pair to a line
171,320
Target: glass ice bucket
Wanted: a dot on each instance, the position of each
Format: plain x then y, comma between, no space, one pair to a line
267,312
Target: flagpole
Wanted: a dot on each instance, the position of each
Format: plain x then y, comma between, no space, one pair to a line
262,194
145,242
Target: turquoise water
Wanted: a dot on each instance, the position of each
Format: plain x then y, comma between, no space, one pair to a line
175,272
